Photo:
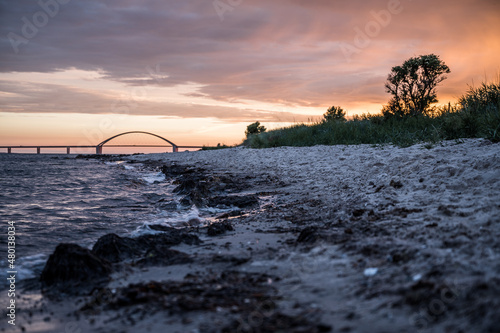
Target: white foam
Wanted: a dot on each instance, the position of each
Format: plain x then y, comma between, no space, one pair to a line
114,162
190,217
154,177
27,267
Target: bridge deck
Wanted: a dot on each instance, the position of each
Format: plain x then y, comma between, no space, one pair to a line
99,147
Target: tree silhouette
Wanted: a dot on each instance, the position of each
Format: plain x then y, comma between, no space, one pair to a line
413,85
334,113
254,128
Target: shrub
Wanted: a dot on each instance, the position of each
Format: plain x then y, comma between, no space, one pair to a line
334,113
483,99
254,128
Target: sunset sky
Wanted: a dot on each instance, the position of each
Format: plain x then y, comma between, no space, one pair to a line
199,71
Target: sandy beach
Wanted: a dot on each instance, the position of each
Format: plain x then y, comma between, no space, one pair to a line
342,239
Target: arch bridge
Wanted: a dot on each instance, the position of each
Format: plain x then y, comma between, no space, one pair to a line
175,148
99,147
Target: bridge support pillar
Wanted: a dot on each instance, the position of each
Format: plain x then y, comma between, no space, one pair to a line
175,149
9,150
68,150
38,150
98,150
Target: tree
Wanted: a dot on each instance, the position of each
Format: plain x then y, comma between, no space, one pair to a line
334,113
413,85
254,128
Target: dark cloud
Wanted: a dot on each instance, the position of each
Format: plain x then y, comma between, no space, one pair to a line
284,51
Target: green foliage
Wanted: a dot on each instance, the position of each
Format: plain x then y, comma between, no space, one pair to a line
254,128
480,109
334,113
413,86
483,99
476,115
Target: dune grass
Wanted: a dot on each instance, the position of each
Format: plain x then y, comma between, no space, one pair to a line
476,115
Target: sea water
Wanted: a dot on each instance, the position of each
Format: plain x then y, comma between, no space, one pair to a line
56,199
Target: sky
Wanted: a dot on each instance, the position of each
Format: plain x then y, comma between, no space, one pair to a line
199,71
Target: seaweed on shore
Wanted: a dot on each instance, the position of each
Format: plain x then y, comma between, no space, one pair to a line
236,296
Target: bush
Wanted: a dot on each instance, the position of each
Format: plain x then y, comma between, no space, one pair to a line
483,99
334,113
254,128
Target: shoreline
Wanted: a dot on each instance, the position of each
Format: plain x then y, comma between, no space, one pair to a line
355,238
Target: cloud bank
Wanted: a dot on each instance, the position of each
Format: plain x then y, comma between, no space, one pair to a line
299,53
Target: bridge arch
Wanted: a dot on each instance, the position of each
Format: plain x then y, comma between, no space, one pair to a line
100,145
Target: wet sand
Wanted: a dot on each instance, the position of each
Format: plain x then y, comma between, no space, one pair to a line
344,239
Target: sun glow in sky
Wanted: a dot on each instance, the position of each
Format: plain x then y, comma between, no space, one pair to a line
198,72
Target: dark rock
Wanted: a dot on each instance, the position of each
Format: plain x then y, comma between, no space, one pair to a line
174,170
161,256
220,228
358,212
195,187
231,259
309,235
396,183
279,322
170,236
115,248
74,270
239,201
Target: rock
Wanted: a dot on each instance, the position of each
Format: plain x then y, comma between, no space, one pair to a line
195,188
309,235
279,322
396,184
75,270
174,170
115,248
231,259
358,212
170,236
161,256
220,228
240,201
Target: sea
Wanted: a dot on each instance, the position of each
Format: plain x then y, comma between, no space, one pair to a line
52,199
